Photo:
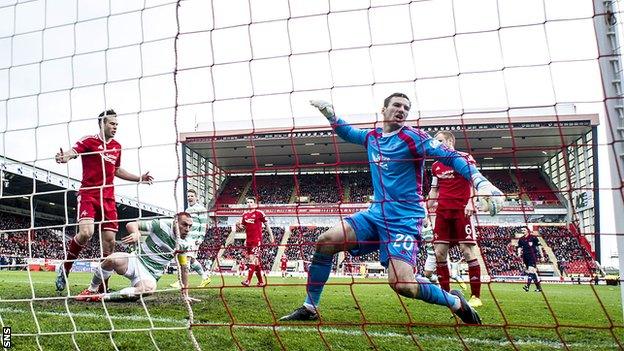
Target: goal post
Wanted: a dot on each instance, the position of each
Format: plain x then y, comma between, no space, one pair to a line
609,29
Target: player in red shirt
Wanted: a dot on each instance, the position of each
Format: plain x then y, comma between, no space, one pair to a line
101,160
253,220
284,265
451,197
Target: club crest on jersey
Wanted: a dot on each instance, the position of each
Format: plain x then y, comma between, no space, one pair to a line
380,160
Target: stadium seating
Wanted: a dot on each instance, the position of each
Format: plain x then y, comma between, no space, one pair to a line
213,242
535,186
273,189
321,188
567,248
301,243
360,187
502,180
232,190
498,252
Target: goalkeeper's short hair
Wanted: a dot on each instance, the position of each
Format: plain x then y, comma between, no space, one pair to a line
447,135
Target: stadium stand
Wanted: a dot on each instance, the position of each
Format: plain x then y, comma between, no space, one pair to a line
321,188
232,190
567,248
213,242
300,245
360,186
273,189
498,252
535,187
502,180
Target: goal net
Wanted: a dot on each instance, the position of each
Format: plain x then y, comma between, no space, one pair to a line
212,98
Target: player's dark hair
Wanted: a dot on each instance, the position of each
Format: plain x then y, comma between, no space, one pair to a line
400,95
192,191
447,135
251,198
104,115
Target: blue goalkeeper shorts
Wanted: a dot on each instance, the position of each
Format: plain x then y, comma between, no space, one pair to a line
393,239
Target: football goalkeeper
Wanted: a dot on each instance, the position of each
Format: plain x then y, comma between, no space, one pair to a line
392,223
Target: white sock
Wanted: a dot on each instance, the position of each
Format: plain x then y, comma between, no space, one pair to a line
99,275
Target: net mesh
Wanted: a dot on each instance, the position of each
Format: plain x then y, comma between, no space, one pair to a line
213,96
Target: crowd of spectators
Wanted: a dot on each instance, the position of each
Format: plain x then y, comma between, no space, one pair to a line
535,187
232,190
321,188
567,248
213,242
498,252
502,180
302,241
275,189
360,187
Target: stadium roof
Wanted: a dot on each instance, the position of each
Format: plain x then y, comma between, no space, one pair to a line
54,194
524,141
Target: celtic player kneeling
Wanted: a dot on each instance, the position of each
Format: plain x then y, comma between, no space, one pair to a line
144,267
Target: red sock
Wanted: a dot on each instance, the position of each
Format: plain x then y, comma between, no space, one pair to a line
443,272
252,268
73,250
259,273
474,274
104,286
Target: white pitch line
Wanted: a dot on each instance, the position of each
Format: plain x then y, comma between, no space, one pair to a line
329,330
93,315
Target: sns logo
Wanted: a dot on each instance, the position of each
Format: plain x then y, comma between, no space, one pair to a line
6,337
380,160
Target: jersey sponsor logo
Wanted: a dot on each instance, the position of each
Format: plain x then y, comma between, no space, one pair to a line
450,174
110,157
380,160
250,220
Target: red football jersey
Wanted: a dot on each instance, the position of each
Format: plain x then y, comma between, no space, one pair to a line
284,262
453,188
253,225
96,154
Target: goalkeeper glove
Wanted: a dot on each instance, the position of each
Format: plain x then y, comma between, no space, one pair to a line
326,109
490,198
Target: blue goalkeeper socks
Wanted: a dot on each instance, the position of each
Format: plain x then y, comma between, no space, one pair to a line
432,293
318,274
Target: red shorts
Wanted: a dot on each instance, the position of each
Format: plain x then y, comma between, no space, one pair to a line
252,248
453,227
89,207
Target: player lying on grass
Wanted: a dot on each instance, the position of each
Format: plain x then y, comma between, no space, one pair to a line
144,267
393,222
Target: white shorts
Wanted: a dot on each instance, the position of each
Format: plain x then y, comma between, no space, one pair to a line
430,263
136,271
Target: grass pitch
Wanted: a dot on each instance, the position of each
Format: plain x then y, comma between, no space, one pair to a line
356,315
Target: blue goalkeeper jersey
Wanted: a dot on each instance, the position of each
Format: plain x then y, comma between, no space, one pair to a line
397,165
